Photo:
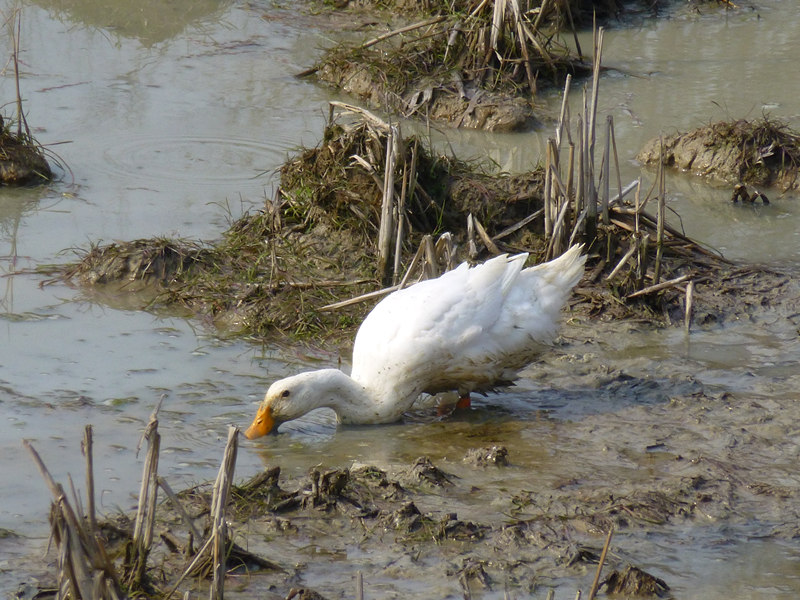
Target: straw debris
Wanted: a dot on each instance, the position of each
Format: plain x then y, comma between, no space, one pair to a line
477,65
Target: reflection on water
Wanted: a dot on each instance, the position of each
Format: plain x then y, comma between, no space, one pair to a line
174,110
148,21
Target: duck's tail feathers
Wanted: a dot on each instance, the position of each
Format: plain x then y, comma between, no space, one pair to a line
563,272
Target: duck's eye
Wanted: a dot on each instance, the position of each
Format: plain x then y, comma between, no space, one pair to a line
285,393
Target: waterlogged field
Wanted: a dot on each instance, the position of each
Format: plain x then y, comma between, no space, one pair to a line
172,120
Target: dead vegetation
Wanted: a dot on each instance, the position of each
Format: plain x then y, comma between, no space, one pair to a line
410,514
185,545
762,153
469,63
275,270
477,65
22,158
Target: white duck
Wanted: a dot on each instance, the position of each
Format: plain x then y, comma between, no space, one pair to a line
471,329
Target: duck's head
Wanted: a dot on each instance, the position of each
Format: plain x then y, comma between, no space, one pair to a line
293,397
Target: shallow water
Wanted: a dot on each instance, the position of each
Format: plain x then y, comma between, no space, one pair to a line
172,119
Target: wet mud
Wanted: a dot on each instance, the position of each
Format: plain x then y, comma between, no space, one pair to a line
483,517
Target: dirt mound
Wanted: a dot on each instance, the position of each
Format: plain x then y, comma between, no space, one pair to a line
22,161
756,153
466,66
274,271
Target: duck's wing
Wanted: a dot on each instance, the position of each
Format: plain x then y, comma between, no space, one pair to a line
438,330
469,328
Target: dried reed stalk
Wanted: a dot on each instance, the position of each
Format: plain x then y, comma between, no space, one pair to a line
622,261
387,226
548,211
563,115
87,452
85,571
658,287
406,29
605,172
136,555
222,488
603,554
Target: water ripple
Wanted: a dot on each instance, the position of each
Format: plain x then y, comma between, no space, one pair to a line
193,159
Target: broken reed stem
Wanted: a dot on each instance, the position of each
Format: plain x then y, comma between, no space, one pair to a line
627,190
198,557
689,303
519,225
472,246
580,188
359,586
84,569
222,488
398,242
176,503
548,216
563,115
590,116
596,582
571,178
387,214
587,175
643,260
146,510
405,29
658,287
622,192
606,171
555,246
487,241
621,263
87,452
661,216
430,267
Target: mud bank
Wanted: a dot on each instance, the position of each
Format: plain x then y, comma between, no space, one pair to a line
509,507
761,154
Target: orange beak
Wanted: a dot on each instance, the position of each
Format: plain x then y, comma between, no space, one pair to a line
262,424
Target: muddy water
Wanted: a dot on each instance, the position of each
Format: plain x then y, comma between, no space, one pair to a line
173,117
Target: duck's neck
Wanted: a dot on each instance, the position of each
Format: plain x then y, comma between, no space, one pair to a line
354,402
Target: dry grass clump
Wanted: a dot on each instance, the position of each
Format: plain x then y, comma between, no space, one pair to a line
478,65
22,159
339,185
767,148
764,152
275,270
